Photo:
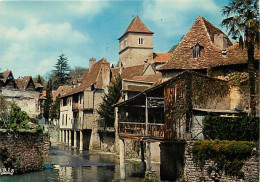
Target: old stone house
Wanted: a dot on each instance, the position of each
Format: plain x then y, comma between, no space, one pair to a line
23,91
206,49
78,108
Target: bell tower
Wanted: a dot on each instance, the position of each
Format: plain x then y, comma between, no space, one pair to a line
135,45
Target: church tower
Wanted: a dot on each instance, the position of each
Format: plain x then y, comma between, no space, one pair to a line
136,45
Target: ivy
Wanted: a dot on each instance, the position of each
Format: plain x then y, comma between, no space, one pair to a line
237,128
228,156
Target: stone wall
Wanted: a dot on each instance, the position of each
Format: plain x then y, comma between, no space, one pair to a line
27,148
193,172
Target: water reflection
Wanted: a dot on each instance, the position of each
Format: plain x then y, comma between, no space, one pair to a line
79,166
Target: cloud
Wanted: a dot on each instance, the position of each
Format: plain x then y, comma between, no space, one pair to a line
174,16
34,34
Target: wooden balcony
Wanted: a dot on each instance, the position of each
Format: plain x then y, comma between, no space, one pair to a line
75,106
135,129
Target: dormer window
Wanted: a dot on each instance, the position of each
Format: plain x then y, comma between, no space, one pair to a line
196,50
140,41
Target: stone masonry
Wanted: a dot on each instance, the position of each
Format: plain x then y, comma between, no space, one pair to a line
193,172
28,149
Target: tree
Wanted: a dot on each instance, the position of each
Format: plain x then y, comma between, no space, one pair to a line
61,72
55,110
106,111
173,48
76,73
39,79
242,21
48,102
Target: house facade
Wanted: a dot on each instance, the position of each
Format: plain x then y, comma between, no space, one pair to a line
22,91
78,108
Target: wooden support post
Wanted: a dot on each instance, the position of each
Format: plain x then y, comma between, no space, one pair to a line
75,138
146,115
60,136
143,165
69,134
81,141
148,156
122,159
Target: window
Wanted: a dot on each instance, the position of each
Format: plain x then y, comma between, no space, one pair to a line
66,119
196,50
80,98
64,101
62,119
140,41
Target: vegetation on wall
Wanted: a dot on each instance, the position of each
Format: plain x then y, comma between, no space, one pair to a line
236,128
7,160
242,21
191,90
228,156
237,78
18,119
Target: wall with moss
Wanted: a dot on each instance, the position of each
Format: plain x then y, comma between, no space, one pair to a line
24,150
203,172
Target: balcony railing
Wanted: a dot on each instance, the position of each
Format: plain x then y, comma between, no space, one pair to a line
139,129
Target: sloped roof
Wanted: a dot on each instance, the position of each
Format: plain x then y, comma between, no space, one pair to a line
114,73
22,83
90,76
6,74
131,71
38,85
202,32
62,90
161,57
148,78
136,88
137,26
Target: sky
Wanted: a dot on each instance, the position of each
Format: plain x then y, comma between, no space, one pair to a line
33,34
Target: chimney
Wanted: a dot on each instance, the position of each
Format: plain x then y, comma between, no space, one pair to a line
221,41
91,62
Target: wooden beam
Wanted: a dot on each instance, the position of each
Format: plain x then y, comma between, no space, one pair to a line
146,115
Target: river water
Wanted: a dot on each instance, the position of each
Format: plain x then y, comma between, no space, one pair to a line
79,166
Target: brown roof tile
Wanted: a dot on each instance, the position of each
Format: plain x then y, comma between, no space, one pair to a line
62,90
131,71
202,32
6,75
136,88
137,26
90,77
148,78
23,83
161,57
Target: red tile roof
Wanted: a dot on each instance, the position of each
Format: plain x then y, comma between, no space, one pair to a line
137,26
161,57
90,77
202,32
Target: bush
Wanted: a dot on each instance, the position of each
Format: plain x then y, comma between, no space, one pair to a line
237,128
228,156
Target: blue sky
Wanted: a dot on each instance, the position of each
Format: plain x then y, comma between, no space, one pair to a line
34,33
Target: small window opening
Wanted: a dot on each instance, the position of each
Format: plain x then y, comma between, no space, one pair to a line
196,50
140,41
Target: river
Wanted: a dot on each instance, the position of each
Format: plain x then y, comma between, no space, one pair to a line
79,166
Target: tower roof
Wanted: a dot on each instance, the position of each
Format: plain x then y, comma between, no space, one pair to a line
137,26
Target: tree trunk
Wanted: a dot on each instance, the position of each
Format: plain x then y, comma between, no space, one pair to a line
251,70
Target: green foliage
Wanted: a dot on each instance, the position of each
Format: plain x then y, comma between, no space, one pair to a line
5,157
106,111
237,78
19,119
61,72
173,48
228,156
237,128
48,101
242,21
17,116
55,110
